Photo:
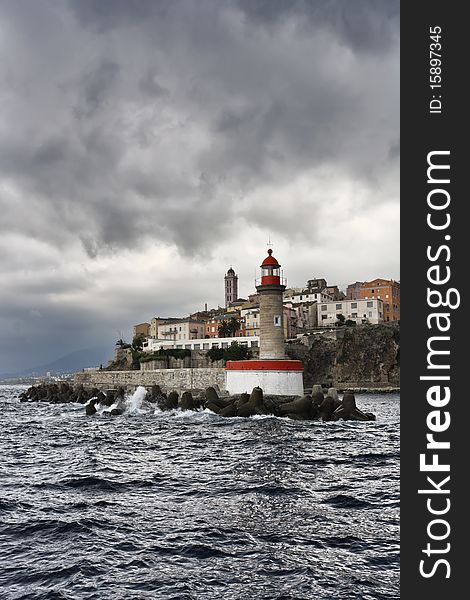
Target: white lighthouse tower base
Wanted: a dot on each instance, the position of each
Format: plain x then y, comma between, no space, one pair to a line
274,377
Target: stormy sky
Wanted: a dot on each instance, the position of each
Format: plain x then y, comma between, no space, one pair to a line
147,145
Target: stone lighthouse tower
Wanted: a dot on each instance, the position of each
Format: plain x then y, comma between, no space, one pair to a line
270,308
272,372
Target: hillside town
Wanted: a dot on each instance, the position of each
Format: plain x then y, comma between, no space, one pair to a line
306,310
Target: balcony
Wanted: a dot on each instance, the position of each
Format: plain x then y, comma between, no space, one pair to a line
282,281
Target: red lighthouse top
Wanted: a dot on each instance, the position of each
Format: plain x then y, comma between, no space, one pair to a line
270,260
270,270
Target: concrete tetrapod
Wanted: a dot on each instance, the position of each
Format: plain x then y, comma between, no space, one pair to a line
349,411
298,408
254,406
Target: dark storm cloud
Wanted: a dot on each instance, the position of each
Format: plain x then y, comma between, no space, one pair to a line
140,99
361,24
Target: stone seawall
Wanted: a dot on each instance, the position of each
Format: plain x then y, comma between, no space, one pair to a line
168,379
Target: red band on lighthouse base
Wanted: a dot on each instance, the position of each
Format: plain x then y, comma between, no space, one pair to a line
264,365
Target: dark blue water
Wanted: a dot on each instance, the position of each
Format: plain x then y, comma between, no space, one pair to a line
190,506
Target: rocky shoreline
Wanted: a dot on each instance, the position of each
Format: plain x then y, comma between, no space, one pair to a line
314,406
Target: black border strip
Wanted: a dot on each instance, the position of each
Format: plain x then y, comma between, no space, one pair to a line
423,132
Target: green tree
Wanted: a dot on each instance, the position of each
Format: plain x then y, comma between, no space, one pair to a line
224,329
234,326
340,321
237,352
350,323
233,352
138,341
215,354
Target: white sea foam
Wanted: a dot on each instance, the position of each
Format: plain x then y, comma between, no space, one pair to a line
135,400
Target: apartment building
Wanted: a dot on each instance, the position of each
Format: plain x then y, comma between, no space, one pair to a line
359,311
141,329
181,329
386,290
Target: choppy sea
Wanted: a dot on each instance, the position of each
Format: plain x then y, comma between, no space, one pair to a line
192,506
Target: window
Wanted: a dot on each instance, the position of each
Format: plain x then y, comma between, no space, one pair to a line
277,320
224,345
215,345
324,317
180,328
197,346
301,297
254,316
254,344
373,291
205,346
324,307
179,346
370,304
339,306
354,315
386,295
353,304
188,346
370,314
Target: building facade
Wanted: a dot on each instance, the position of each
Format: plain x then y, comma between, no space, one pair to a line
318,283
250,319
152,345
386,290
306,295
359,311
306,315
181,329
141,329
155,322
334,292
353,291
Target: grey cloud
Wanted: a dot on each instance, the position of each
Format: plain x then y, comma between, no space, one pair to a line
131,122
108,14
253,107
97,85
361,24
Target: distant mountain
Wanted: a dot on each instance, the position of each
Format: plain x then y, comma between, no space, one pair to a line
70,363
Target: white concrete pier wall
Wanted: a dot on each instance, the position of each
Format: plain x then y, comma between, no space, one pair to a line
276,383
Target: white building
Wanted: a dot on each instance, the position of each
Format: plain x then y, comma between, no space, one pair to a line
182,329
151,345
360,311
306,295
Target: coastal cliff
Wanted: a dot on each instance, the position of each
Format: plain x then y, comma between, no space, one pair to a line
355,357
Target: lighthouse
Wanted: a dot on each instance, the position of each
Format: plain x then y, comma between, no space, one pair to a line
270,309
273,372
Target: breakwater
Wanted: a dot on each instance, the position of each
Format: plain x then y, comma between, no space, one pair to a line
168,379
315,406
